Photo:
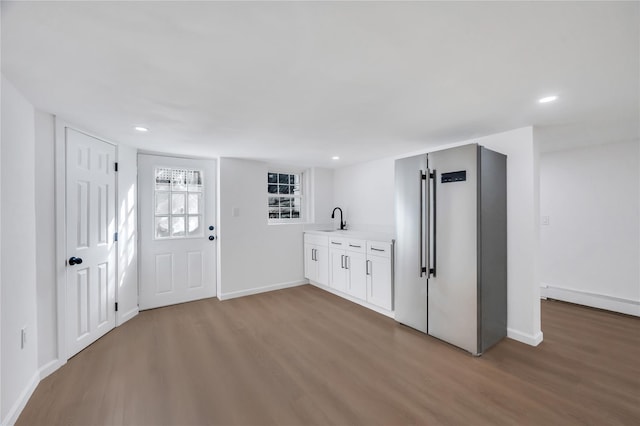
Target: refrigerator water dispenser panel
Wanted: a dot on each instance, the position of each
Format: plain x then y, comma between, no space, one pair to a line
454,176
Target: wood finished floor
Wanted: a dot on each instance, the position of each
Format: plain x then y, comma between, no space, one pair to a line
303,356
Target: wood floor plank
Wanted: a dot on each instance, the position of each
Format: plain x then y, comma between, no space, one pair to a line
302,356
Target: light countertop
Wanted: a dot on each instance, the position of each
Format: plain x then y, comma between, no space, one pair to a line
361,235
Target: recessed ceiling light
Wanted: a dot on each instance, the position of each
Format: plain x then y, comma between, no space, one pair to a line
335,157
141,129
547,99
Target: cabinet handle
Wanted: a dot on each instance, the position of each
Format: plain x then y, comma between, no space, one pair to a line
368,262
376,249
338,244
346,262
342,261
313,254
351,245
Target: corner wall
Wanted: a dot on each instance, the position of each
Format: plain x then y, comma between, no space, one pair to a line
591,244
46,236
18,276
254,256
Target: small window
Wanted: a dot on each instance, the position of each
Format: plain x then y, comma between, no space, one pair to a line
179,203
284,192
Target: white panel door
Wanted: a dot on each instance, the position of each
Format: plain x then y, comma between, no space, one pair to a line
91,249
177,230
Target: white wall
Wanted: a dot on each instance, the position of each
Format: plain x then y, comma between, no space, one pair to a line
46,238
322,196
18,276
590,249
127,294
366,191
254,256
523,236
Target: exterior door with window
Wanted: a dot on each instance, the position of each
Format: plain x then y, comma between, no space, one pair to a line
177,230
90,239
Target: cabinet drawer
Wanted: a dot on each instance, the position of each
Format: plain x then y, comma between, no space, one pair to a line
359,246
379,248
319,240
338,242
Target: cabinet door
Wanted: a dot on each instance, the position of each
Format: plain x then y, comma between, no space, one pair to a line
337,272
357,272
322,265
310,265
379,288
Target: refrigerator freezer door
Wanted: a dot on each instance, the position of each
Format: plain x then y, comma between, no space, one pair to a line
452,302
410,284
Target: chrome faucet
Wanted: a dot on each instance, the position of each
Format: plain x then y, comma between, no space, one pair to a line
343,225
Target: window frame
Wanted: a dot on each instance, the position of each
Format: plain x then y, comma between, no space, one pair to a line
301,196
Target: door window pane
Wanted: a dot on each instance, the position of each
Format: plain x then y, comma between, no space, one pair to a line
163,179
177,226
162,227
195,226
162,202
194,203
177,203
194,181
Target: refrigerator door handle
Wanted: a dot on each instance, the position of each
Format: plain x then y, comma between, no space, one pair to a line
431,268
424,222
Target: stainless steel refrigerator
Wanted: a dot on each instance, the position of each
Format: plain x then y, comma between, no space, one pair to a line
451,245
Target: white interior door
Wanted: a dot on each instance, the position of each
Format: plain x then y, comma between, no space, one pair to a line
177,230
91,249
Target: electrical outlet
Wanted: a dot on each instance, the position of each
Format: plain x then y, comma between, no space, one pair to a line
545,220
23,337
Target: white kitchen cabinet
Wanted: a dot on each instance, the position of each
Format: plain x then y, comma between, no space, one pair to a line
356,264
316,259
380,274
348,266
337,271
359,270
379,288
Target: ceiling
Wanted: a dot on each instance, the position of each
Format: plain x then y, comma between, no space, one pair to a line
300,82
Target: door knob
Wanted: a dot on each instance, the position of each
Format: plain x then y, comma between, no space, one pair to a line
75,260
211,238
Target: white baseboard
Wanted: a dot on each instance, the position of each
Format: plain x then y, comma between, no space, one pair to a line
594,300
127,316
49,368
526,338
258,290
350,298
21,402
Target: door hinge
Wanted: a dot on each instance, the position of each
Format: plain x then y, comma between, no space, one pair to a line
115,166
116,306
115,237
424,176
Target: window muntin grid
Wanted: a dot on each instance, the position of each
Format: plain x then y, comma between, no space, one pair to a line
284,197
179,203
